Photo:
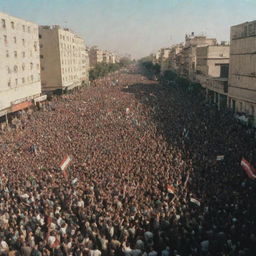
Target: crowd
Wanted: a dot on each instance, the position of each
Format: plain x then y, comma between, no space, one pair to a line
143,180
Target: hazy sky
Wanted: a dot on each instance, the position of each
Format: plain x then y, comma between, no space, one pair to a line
138,27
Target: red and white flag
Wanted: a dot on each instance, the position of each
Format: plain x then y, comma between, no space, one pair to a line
248,168
65,163
170,189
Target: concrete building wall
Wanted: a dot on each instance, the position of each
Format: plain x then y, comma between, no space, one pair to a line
95,56
242,69
210,58
50,58
63,52
20,63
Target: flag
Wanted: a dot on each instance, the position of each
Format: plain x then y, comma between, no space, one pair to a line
65,163
195,201
248,168
187,179
170,189
220,158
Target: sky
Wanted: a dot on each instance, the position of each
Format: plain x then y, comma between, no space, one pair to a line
136,27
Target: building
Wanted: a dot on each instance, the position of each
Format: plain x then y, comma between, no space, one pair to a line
242,70
20,64
63,59
212,64
174,60
189,53
106,57
164,59
95,56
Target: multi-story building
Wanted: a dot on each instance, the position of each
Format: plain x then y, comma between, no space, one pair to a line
212,63
189,53
95,56
19,65
242,70
112,58
106,56
173,56
164,58
63,59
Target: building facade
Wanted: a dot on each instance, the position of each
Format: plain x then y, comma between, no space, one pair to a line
212,72
242,70
63,59
189,53
95,56
20,63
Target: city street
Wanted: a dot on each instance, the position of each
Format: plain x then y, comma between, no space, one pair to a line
143,173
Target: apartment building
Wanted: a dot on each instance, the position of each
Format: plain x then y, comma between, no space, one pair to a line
164,59
63,59
189,53
19,65
242,70
212,72
95,56
173,57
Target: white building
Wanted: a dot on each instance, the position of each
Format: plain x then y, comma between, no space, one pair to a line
64,60
19,65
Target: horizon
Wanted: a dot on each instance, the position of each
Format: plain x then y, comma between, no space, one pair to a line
140,27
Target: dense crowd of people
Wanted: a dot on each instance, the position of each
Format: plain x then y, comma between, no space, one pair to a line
143,179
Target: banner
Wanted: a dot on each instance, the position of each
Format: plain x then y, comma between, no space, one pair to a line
248,168
220,158
195,201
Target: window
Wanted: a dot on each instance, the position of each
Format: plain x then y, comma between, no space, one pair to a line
28,29
12,25
7,54
23,28
23,67
9,83
42,68
35,46
15,40
3,23
23,80
9,70
15,54
31,65
23,42
41,46
5,39
40,36
250,29
15,69
41,56
23,54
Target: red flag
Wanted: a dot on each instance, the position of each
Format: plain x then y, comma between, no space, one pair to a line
170,189
248,168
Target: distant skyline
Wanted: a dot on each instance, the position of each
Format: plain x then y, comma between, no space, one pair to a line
136,27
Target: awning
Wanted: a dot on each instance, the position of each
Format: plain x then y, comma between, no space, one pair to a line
40,98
